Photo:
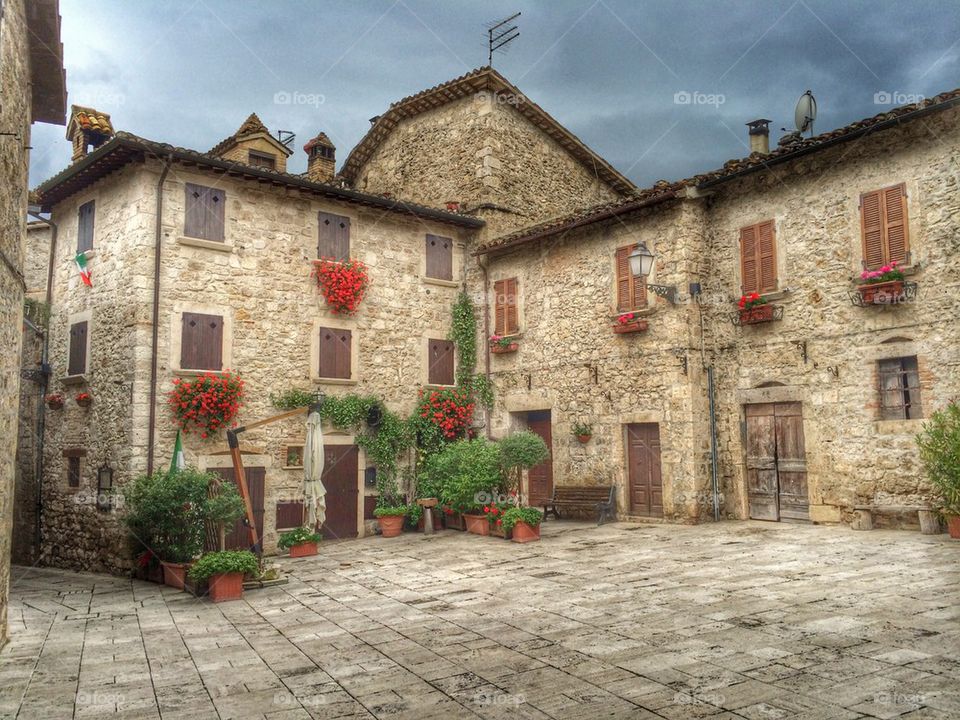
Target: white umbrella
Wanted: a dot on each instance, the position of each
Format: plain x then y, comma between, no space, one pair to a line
313,489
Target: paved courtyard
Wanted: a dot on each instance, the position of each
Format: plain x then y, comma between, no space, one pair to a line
736,620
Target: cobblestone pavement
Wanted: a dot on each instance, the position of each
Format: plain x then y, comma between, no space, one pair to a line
734,620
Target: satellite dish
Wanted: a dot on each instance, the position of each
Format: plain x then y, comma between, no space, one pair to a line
806,112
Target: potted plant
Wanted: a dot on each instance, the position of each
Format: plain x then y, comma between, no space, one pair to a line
583,432
494,512
754,309
883,286
342,284
500,344
300,541
224,571
54,401
629,322
470,472
84,399
939,444
522,523
518,452
208,403
391,519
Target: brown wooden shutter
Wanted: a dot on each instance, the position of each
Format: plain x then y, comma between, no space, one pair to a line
895,224
441,362
201,342
86,215
512,317
766,257
289,515
205,212
749,275
871,227
499,307
439,257
334,237
631,289
335,350
77,362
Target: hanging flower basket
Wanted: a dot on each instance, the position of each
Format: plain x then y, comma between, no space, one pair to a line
54,401
629,323
760,314
208,403
84,399
883,286
342,284
450,410
500,345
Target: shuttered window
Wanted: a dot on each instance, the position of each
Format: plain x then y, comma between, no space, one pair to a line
758,258
506,321
334,242
73,471
439,257
335,351
289,515
440,370
205,207
85,226
631,289
262,159
201,342
900,389
77,354
884,227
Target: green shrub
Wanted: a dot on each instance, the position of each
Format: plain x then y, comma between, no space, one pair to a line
466,471
531,516
225,561
940,454
580,428
521,451
388,510
296,536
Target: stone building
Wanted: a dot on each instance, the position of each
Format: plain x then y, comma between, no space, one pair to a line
32,85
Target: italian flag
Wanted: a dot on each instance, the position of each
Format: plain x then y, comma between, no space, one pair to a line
177,462
81,260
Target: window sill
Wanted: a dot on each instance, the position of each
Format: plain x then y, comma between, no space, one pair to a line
74,379
292,467
898,427
334,381
907,270
88,254
645,312
218,246
441,283
434,386
196,373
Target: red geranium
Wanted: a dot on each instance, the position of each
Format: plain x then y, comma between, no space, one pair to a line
343,284
451,410
750,300
209,402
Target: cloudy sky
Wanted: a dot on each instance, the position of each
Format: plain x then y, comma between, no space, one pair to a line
661,89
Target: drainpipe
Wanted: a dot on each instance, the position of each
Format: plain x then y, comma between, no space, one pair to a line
151,427
486,334
713,446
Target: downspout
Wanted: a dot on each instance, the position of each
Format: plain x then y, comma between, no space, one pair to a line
486,334
151,427
714,479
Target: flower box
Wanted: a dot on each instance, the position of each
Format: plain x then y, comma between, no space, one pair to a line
630,327
504,349
174,574
756,314
524,533
226,586
454,521
303,549
477,524
885,293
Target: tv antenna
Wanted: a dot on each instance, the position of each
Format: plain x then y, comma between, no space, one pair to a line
497,37
805,113
286,137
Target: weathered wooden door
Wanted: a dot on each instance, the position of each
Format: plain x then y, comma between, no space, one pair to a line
239,537
643,464
540,477
342,498
776,462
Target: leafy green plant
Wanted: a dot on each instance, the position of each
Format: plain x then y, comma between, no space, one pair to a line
463,333
582,429
225,561
414,513
297,536
293,399
389,510
521,451
531,516
939,444
469,470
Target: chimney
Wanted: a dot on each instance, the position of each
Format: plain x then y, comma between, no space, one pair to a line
759,136
87,129
321,159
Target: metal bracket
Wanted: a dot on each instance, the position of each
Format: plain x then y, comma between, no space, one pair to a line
801,345
777,315
665,291
909,293
681,355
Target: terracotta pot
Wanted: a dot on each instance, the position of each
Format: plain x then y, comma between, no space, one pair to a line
953,526
886,293
477,524
55,404
584,438
630,327
523,533
757,314
303,549
226,586
155,574
500,349
497,531
391,525
85,403
174,574
454,521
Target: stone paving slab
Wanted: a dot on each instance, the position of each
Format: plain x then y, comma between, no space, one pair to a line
730,620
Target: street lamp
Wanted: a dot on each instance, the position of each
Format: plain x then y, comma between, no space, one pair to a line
641,264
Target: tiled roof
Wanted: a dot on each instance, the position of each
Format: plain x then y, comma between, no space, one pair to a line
481,79
88,119
320,139
48,80
251,126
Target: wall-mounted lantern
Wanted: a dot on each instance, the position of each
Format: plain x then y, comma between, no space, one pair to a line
641,263
105,488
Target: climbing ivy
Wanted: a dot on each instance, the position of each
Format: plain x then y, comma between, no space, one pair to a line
464,337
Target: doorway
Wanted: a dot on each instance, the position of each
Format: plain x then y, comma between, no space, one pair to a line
343,489
776,462
540,477
643,470
238,538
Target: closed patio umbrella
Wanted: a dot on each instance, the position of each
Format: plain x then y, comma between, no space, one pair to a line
313,489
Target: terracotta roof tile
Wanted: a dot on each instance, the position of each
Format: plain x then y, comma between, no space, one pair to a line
89,120
320,139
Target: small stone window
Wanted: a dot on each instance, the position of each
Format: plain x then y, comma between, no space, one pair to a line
262,159
440,356
201,342
77,352
900,389
85,226
205,211
74,458
336,351
293,456
439,257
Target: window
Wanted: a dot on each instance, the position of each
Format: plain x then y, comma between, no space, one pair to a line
204,212
439,257
201,342
884,227
631,289
758,258
335,353
899,389
334,242
85,226
440,356
77,353
262,159
506,321
289,515
293,456
74,466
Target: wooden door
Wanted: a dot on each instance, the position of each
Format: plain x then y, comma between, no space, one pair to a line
643,463
540,477
239,537
776,462
342,498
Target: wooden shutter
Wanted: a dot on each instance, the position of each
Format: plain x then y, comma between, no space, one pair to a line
334,238
631,289
766,257
289,515
85,226
506,317
201,342
77,362
439,257
749,277
335,350
205,208
895,224
440,371
871,228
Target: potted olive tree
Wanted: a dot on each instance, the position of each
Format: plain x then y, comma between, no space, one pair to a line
301,542
471,475
224,571
940,454
518,452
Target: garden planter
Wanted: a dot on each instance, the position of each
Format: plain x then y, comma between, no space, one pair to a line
523,533
391,525
886,293
477,524
454,521
953,526
584,438
630,327
55,404
174,574
497,531
758,314
85,402
226,586
502,349
303,549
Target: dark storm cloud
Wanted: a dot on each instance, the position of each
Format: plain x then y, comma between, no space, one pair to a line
189,71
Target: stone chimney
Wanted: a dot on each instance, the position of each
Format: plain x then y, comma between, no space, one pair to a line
759,136
87,129
321,159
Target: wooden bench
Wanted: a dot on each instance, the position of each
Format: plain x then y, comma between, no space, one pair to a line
863,516
593,497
